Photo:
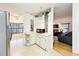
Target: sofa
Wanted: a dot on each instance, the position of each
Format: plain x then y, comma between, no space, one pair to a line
65,38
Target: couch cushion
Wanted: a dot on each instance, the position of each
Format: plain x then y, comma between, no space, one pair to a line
69,34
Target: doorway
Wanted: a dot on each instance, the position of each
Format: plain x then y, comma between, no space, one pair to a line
62,30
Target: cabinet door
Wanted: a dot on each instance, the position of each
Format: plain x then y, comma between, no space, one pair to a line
49,43
40,23
43,42
37,39
46,43
40,40
32,39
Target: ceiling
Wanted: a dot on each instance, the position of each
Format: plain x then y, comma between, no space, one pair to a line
63,10
60,9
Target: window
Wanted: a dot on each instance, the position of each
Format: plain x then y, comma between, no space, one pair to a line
16,28
65,27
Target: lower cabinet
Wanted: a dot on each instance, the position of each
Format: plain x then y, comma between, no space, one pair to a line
32,39
44,41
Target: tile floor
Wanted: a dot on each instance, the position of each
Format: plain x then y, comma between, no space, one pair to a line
17,48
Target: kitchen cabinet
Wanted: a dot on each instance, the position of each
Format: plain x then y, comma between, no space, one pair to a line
40,23
32,38
44,41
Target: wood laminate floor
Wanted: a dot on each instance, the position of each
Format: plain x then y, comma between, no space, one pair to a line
64,49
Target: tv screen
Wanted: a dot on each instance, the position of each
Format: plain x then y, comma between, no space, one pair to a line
55,26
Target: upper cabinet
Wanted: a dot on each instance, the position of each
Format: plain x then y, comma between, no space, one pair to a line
40,22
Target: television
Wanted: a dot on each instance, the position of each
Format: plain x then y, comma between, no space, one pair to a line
55,26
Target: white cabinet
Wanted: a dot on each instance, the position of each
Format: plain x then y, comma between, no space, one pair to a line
32,38
38,39
45,41
40,23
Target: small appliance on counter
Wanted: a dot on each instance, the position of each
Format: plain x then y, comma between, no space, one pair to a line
40,30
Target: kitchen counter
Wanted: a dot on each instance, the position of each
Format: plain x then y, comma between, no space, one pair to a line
45,34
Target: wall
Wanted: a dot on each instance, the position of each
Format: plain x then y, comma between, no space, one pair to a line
75,48
64,20
50,27
16,19
50,21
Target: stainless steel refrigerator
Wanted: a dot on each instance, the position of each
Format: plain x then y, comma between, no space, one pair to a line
5,34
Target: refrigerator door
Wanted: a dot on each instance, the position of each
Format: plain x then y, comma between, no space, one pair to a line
4,33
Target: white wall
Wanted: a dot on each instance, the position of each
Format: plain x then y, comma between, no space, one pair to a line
50,22
50,25
67,19
75,48
16,19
